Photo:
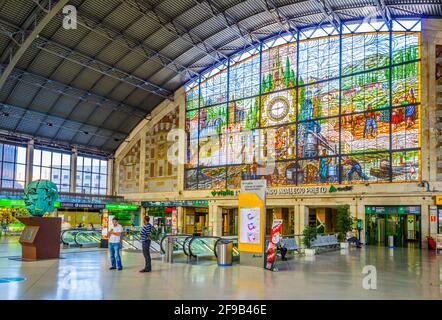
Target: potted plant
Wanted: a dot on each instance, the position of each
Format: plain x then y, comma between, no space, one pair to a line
344,224
309,234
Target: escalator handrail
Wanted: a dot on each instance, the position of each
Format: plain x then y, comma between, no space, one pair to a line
86,232
186,245
66,231
200,237
168,236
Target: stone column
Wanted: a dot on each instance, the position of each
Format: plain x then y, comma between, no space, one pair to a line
110,177
216,220
361,215
181,225
29,161
425,224
142,162
73,178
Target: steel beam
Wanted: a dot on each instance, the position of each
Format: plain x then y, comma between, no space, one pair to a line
75,93
330,15
172,26
48,122
141,48
30,39
101,67
383,10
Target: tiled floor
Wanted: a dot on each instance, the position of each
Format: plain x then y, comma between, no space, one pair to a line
401,274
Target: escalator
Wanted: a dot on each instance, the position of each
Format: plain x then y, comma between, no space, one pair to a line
206,246
179,243
88,238
81,238
132,241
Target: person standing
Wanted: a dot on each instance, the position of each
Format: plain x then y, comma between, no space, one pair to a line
145,241
115,244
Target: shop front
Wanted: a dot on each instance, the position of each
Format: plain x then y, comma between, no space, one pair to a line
403,223
192,215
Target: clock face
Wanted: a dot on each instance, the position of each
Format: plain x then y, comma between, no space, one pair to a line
278,109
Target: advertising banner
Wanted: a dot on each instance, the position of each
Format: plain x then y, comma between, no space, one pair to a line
174,222
275,236
104,224
251,221
251,208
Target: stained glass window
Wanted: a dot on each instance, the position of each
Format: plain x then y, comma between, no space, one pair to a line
244,79
278,68
324,109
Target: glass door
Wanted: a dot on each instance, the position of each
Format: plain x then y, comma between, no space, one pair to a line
375,232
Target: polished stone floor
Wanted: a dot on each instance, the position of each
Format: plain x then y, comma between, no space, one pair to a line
83,274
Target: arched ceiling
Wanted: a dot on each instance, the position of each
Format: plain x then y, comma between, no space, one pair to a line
91,86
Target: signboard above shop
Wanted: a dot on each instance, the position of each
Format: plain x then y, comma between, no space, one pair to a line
177,203
392,209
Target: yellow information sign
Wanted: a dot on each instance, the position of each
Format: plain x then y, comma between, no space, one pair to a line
438,200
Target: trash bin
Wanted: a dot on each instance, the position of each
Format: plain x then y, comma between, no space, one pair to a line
391,241
169,251
224,253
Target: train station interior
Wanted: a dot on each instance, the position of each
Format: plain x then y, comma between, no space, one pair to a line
220,149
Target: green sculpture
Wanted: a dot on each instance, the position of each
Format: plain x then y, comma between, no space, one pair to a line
40,196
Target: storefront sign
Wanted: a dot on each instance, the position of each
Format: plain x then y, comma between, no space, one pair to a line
292,191
12,203
177,203
275,236
392,209
76,205
223,193
438,200
121,206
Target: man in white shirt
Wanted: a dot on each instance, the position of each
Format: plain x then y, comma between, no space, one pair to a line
115,232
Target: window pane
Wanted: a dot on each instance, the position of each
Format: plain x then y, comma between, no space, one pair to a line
45,173
36,173
103,182
8,171
64,188
103,165
95,180
80,163
103,192
9,153
7,184
46,158
65,177
66,163
20,172
37,157
56,173
21,155
56,160
94,191
87,165
87,179
96,166
79,180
